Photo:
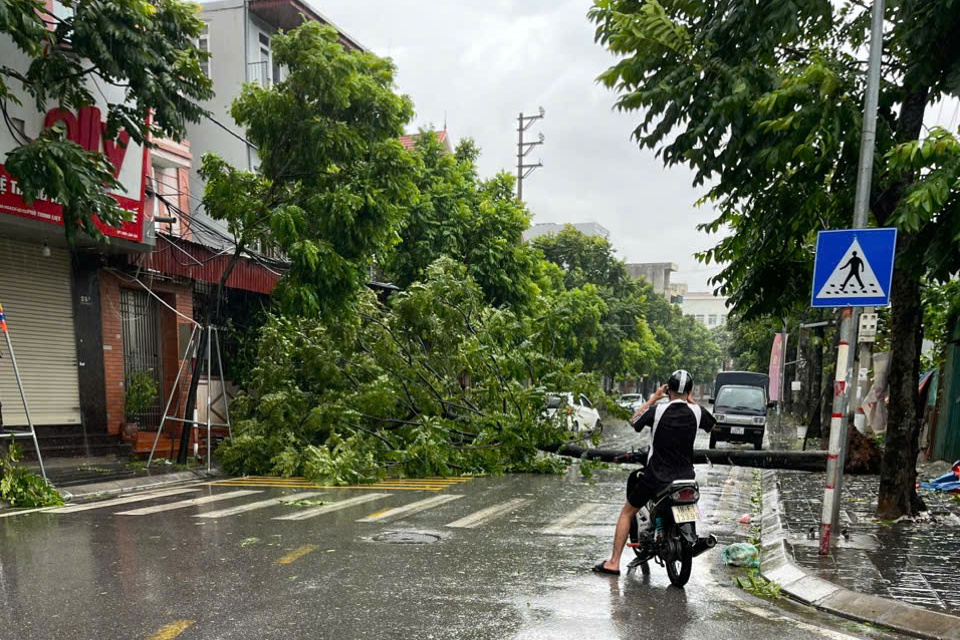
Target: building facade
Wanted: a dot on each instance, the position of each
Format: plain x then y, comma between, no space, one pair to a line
656,273
85,317
237,35
591,229
709,310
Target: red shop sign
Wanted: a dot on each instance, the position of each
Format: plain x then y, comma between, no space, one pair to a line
86,129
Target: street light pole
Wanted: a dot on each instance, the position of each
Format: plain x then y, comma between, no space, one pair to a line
524,148
844,380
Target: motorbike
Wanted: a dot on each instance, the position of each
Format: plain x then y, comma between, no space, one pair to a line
665,531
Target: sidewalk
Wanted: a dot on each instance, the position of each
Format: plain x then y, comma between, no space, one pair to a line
84,478
896,575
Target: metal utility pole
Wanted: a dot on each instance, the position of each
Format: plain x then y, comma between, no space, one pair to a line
843,387
524,148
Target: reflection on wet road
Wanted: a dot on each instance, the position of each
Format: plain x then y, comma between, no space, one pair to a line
491,558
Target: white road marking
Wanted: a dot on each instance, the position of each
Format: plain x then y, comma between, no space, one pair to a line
124,500
183,504
253,506
571,521
484,516
20,512
336,506
408,509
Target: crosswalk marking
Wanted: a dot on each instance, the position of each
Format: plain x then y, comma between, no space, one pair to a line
336,506
392,484
183,504
407,509
569,522
263,504
124,500
483,516
20,512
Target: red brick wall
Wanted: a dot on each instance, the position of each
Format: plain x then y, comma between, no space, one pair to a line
178,296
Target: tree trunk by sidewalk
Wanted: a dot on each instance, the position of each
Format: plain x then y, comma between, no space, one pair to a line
898,494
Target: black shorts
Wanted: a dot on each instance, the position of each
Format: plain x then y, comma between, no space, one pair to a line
640,489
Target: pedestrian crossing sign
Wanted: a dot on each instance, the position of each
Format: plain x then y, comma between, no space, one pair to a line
853,268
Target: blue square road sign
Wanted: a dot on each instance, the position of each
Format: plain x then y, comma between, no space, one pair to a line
853,268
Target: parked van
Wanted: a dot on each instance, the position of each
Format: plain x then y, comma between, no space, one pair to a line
740,405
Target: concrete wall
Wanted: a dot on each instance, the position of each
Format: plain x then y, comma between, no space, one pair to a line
228,70
656,273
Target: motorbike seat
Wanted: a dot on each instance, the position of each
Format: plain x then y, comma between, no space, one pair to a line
676,484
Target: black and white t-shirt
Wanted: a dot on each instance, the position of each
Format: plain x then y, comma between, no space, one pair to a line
674,428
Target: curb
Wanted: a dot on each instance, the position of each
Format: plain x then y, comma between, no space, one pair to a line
777,565
117,487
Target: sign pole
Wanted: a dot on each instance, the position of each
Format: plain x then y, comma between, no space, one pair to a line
843,386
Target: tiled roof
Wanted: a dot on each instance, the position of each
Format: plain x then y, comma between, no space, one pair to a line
410,141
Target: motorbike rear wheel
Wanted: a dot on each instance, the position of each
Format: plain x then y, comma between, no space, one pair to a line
679,564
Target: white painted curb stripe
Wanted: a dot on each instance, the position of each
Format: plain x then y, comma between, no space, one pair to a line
183,504
408,509
336,506
253,506
490,513
140,497
573,520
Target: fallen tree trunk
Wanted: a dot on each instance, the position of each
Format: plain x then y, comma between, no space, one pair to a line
794,460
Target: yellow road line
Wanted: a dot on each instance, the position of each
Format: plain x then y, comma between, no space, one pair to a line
376,513
172,630
296,555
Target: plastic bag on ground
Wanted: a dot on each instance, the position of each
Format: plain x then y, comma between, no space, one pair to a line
741,554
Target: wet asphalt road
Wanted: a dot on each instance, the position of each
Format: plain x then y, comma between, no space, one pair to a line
525,574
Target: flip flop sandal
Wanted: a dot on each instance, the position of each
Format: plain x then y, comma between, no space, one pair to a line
599,568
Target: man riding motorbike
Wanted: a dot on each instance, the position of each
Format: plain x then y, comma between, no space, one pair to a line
673,431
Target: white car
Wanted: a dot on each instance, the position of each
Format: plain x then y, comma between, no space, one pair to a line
581,416
631,401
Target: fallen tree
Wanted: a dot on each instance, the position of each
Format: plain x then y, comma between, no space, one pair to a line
434,382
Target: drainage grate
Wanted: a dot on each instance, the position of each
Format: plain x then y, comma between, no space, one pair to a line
406,537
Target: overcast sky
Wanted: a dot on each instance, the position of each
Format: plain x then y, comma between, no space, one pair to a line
478,63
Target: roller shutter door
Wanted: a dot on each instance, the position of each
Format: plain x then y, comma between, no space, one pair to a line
36,295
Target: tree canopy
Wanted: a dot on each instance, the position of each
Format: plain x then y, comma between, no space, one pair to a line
764,101
478,222
147,48
333,182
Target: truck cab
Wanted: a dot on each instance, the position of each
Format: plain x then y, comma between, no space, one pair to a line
740,405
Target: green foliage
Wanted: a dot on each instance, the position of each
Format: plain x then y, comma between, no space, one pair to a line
619,342
477,222
941,312
755,584
333,182
140,392
765,102
147,47
438,382
20,486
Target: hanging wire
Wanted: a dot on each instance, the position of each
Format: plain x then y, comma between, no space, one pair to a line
124,277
